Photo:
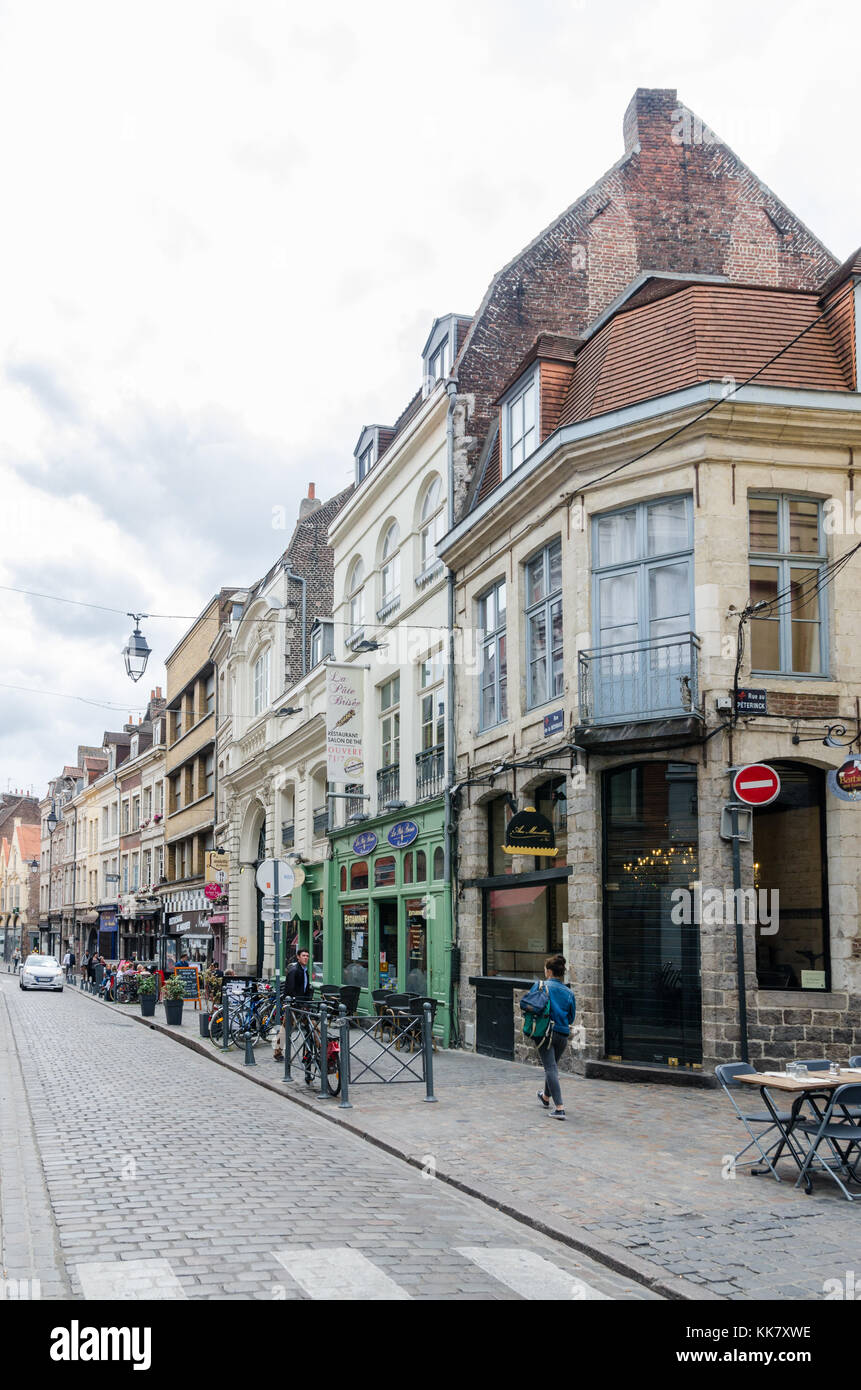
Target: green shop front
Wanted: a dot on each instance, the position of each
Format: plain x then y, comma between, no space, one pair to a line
388,913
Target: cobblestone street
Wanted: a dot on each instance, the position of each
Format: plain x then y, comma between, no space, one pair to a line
637,1177
132,1168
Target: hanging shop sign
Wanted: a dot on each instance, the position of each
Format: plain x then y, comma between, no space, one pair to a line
365,843
216,868
403,834
528,832
845,781
344,700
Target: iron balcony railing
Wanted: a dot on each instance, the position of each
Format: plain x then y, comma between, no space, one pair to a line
430,774
355,804
288,834
320,816
656,679
388,785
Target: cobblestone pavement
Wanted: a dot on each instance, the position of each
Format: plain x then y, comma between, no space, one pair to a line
131,1167
636,1175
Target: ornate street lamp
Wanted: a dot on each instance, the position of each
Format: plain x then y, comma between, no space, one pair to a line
136,651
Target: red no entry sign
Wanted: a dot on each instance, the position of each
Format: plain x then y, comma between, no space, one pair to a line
756,784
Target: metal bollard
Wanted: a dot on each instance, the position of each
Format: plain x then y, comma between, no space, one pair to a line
427,1045
344,1057
203,1023
324,1049
225,1021
249,1059
288,1039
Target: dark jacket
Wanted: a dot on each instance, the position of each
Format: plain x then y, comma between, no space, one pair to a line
294,984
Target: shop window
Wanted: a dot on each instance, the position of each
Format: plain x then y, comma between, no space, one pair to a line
417,946
408,867
421,866
355,950
384,872
358,875
551,801
439,862
498,816
387,929
317,936
790,880
523,926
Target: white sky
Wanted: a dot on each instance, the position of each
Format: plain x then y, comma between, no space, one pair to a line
228,227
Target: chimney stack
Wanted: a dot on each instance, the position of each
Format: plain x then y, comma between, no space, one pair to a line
310,503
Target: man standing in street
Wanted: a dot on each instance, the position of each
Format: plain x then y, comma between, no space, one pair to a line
67,964
16,960
298,989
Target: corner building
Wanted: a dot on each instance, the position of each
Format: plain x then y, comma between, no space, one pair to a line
623,501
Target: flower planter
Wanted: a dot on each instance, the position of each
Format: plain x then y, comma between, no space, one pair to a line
148,1005
173,1011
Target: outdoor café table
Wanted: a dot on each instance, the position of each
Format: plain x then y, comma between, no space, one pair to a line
816,1083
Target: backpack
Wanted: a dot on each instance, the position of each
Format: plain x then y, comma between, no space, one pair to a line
537,1019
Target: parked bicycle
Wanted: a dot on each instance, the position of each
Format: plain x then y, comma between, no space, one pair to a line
252,1017
307,1038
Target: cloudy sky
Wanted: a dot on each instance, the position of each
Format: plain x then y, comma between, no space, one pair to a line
227,228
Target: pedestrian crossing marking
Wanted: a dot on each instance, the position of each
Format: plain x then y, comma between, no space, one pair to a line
529,1274
129,1279
339,1273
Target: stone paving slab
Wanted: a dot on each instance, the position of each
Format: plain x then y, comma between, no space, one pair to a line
160,1170
638,1176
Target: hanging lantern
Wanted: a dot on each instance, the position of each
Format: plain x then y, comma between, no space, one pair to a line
136,651
529,833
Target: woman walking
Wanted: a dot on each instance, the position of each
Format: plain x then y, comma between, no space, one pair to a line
562,1010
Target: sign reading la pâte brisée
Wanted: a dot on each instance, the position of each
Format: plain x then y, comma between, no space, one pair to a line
344,744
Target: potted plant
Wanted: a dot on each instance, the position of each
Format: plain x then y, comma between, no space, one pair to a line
156,818
174,993
146,994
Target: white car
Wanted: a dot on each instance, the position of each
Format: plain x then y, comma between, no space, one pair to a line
42,972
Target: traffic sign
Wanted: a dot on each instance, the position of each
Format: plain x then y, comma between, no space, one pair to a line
266,877
756,785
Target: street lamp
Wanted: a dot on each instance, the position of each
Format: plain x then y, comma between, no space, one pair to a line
136,651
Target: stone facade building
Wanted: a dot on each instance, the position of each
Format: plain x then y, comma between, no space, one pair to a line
642,532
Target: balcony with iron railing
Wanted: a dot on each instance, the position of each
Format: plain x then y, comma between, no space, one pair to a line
288,834
320,820
430,772
354,805
388,785
656,679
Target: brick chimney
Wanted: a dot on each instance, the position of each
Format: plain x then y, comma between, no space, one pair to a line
309,504
653,114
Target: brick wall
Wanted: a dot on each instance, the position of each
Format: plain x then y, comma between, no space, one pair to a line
680,201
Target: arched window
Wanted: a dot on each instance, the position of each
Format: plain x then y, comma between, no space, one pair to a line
356,595
390,574
384,872
358,874
430,524
421,866
343,878
438,862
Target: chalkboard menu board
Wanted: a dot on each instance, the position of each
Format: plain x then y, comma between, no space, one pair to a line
190,976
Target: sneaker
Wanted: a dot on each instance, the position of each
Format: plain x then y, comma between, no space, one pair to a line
559,1115
545,1103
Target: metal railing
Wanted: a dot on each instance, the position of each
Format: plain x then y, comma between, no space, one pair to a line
333,1050
355,804
320,819
647,680
388,784
430,772
288,834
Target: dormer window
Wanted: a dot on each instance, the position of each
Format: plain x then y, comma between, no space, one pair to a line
390,572
519,411
367,459
439,352
156,732
133,747
322,640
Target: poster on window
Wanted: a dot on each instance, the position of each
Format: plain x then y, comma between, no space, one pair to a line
344,691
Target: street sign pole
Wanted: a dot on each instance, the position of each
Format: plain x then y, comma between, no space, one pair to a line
739,933
276,933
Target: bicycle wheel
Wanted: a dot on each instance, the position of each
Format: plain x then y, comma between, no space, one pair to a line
333,1077
216,1029
124,993
267,1018
244,1027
